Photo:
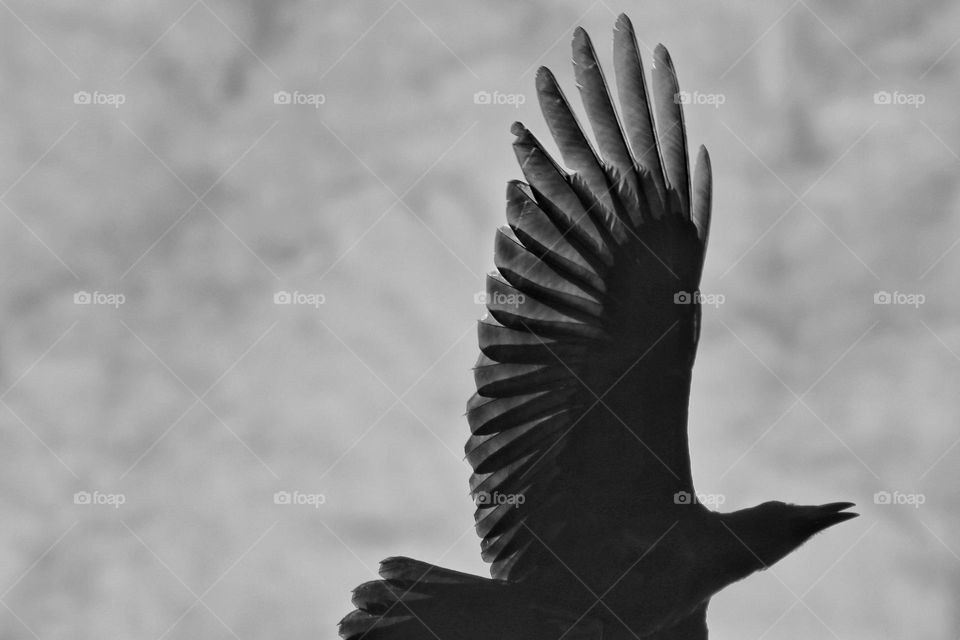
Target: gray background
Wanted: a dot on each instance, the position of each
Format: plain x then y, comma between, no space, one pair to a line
199,198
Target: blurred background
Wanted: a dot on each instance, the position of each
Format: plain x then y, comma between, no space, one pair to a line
241,243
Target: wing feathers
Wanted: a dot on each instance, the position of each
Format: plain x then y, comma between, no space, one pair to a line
511,477
490,452
524,312
504,344
702,196
574,147
596,100
635,109
498,380
540,236
487,416
555,197
670,130
526,272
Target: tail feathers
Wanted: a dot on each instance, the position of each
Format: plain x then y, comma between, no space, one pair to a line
408,569
420,601
360,624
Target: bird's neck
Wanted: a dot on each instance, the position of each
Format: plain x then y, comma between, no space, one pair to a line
741,545
744,546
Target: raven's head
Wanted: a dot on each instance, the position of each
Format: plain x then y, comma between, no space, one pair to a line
770,531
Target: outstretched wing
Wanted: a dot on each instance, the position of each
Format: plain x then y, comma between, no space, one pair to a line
579,420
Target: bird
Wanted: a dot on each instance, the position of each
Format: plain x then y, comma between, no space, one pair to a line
584,497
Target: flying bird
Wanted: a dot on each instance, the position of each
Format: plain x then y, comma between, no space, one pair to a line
581,469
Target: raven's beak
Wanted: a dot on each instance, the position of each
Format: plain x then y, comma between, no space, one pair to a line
816,519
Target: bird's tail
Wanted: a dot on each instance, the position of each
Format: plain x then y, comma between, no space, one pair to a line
420,601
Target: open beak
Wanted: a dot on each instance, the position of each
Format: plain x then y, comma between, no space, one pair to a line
816,519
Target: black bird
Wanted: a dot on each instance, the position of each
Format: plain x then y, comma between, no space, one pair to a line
581,469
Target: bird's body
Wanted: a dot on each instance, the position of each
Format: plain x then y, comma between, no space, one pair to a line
585,499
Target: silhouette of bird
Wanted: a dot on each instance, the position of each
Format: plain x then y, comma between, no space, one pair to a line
581,469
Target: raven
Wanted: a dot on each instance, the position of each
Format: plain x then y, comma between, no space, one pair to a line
581,469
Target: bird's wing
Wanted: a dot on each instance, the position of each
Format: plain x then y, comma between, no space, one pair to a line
693,627
579,420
